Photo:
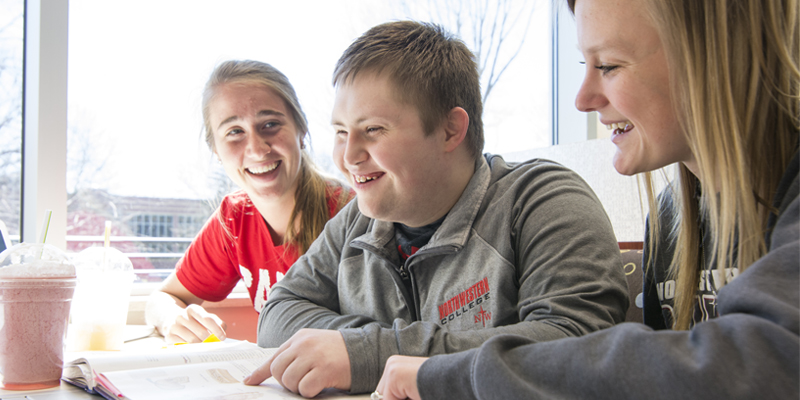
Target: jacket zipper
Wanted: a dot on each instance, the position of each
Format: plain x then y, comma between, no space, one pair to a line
405,273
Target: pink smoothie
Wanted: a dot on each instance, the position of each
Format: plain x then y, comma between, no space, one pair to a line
35,312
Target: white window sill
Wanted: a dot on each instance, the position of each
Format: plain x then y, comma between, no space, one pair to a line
144,289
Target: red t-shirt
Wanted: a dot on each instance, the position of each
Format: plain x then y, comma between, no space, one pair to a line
216,260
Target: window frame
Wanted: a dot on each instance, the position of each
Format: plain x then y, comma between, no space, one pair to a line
44,119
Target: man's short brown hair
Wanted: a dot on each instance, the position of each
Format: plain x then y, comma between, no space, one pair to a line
430,69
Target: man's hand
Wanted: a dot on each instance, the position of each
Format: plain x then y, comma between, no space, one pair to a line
399,380
310,361
193,325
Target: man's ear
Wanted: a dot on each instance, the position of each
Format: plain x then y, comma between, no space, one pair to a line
455,128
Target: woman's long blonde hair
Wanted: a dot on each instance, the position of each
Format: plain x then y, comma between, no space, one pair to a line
311,205
736,83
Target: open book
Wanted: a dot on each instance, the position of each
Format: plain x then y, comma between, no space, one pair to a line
203,371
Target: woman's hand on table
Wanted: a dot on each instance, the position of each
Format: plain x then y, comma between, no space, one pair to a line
399,379
177,315
193,325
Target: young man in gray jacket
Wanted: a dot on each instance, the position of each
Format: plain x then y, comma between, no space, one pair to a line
444,247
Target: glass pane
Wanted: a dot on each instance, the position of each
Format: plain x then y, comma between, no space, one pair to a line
11,41
136,155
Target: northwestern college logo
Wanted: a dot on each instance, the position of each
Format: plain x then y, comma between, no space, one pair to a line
465,301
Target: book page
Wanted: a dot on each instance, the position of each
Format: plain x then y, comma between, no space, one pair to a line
174,355
221,380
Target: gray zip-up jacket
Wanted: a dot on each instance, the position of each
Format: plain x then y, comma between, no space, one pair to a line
527,249
751,351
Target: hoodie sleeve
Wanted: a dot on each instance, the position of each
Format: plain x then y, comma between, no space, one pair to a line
312,298
751,351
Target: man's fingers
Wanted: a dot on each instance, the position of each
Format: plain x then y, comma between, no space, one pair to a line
307,363
311,384
281,360
260,374
292,371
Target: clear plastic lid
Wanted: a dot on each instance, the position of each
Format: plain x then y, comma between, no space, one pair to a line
35,260
102,259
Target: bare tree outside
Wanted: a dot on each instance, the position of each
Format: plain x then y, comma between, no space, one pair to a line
495,30
222,185
87,158
11,36
86,178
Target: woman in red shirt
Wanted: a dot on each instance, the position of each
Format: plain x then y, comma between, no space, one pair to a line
256,128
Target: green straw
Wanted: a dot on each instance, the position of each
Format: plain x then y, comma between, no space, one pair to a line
43,231
45,226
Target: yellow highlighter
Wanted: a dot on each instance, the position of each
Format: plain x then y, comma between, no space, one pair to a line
211,339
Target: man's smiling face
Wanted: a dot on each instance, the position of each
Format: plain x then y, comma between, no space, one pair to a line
382,148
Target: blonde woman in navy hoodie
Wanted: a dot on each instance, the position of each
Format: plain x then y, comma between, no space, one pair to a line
713,87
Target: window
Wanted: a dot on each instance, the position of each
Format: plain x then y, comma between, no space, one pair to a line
135,152
152,225
134,97
11,41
